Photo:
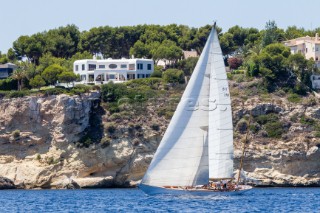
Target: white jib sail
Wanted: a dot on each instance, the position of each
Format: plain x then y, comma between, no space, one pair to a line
182,156
220,118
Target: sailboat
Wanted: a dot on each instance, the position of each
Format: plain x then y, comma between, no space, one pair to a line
196,150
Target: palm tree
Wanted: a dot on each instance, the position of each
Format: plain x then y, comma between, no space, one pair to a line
19,74
256,50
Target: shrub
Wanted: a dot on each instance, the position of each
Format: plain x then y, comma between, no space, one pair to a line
234,62
105,142
239,78
86,141
294,98
310,102
16,134
112,92
80,89
168,115
155,127
264,119
115,117
242,126
111,128
274,129
38,158
307,121
51,160
55,91
37,82
18,94
8,84
254,128
156,74
317,134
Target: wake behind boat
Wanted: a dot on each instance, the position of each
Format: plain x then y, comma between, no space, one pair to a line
196,153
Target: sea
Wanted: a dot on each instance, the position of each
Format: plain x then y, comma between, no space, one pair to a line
269,200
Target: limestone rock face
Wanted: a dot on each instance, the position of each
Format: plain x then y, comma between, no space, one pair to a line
290,160
39,135
44,153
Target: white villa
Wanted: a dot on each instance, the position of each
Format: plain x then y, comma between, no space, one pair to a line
308,46
116,70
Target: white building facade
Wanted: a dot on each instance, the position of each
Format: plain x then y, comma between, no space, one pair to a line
116,70
308,46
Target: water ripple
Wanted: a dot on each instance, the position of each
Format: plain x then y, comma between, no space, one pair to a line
133,200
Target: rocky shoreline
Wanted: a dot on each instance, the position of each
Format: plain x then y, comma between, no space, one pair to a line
45,153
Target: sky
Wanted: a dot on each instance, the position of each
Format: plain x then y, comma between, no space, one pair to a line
28,17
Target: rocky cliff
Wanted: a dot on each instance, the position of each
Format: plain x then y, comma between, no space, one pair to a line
43,145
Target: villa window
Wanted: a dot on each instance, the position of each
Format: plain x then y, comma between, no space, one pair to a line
132,66
317,49
123,66
147,75
306,50
140,66
92,67
83,67
317,59
149,66
102,66
112,66
77,68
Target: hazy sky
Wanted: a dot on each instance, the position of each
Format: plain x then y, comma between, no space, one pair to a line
32,16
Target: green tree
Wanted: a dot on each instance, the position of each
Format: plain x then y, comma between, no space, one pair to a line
168,50
11,55
37,82
273,65
173,76
50,74
272,34
293,32
188,65
67,77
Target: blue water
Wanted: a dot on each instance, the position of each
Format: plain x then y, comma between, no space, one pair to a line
133,200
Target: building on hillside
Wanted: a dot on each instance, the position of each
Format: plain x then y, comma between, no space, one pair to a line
315,79
189,54
7,69
308,46
186,54
116,70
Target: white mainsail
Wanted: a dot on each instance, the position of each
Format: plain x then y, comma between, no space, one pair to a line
220,144
182,156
